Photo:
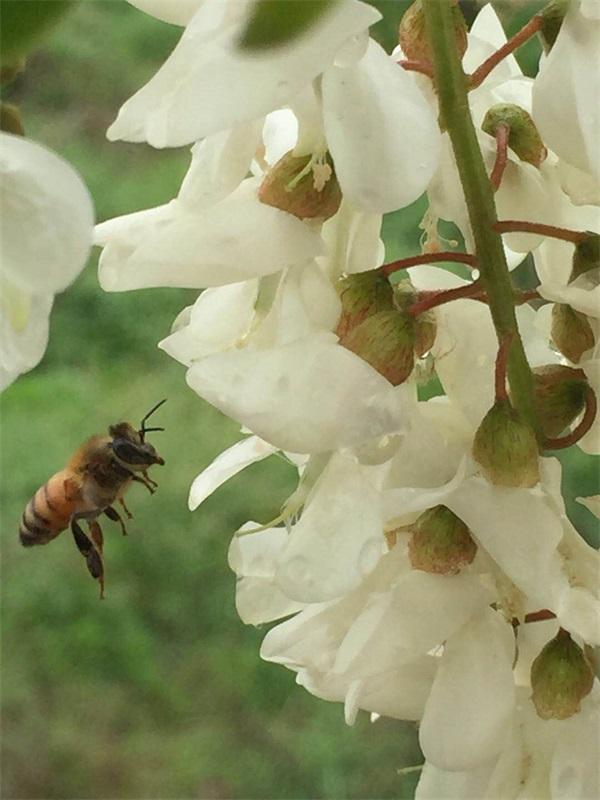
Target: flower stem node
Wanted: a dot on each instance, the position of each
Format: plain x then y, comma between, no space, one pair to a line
571,332
559,394
523,137
552,17
305,186
362,295
506,448
561,676
386,341
441,543
413,39
586,256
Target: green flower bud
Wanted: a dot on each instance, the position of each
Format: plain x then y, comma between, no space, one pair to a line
559,396
571,332
552,16
441,543
586,255
10,119
362,294
386,341
561,676
523,137
412,35
506,448
305,186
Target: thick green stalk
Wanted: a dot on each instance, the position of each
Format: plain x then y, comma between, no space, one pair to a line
452,88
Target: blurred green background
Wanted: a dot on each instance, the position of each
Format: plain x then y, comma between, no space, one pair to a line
157,692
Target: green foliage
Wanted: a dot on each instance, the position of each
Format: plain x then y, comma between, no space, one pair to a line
276,22
24,24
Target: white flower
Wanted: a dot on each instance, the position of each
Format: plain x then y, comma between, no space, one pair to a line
565,93
47,221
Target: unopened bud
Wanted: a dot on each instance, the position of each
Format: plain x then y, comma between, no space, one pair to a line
559,394
506,448
523,136
586,255
412,35
362,295
441,542
552,17
386,341
571,332
561,676
10,119
304,186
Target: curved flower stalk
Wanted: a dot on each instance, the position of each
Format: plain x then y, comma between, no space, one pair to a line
47,225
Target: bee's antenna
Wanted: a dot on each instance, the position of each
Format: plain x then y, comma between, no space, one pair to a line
143,430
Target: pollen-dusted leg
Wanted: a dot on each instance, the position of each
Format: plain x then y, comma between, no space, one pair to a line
113,514
148,486
125,509
93,559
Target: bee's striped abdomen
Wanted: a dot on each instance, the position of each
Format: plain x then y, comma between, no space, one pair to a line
46,514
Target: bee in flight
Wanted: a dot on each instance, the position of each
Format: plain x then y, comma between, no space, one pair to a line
97,475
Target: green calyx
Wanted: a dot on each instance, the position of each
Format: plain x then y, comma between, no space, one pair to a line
586,255
571,332
561,676
10,119
362,295
386,341
412,36
552,17
506,448
441,543
559,393
305,186
523,137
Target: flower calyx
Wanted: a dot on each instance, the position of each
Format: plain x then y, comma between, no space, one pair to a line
561,676
551,19
412,36
386,341
362,295
523,137
506,448
559,396
441,543
571,332
305,186
586,256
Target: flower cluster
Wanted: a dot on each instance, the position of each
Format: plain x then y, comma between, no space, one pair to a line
425,561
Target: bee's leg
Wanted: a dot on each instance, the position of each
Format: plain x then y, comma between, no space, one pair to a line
113,514
125,509
146,484
150,480
92,557
96,533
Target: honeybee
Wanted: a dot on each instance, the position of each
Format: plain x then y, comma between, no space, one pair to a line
97,475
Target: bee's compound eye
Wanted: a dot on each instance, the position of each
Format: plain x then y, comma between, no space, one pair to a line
129,453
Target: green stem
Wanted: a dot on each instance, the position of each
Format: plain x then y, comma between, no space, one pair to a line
452,87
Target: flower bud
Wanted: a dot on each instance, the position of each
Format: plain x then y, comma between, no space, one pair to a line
362,294
523,136
506,448
571,332
10,119
386,341
412,35
552,17
586,255
441,543
305,186
559,396
561,676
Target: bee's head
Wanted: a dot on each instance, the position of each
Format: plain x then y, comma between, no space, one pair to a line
130,447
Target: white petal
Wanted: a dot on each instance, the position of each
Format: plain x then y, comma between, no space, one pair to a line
575,765
47,217
485,37
353,242
339,538
225,466
441,784
178,12
306,397
379,169
237,239
469,710
23,331
280,133
208,85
